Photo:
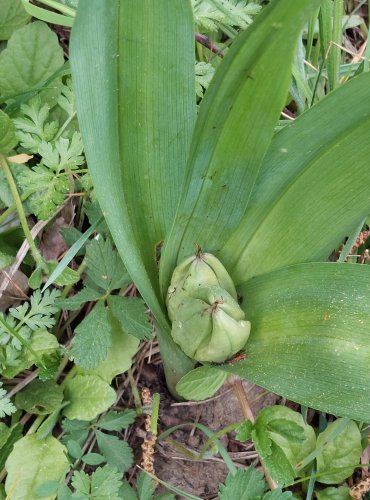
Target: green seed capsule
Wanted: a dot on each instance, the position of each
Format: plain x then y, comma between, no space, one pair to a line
207,321
194,273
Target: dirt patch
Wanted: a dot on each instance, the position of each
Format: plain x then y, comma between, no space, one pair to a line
175,458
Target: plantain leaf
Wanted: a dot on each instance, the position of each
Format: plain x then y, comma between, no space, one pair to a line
133,74
233,131
310,339
312,190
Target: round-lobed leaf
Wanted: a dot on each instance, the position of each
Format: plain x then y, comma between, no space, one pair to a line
32,462
88,396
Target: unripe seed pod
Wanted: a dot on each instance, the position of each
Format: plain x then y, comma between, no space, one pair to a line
194,273
207,321
192,325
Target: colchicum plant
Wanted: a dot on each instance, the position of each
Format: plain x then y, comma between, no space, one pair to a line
265,209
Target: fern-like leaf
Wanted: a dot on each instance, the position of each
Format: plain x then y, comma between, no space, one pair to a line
32,126
38,313
6,406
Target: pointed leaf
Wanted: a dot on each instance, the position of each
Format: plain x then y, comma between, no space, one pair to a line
233,131
136,116
133,74
312,190
310,340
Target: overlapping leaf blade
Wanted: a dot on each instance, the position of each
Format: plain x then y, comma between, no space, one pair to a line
234,128
312,190
310,338
134,67
133,73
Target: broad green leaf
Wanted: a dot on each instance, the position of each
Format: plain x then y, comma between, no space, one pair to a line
93,459
12,17
117,421
47,489
105,267
277,495
343,451
312,190
93,338
243,431
74,302
201,383
32,55
137,138
7,133
234,128
88,396
74,449
8,437
105,482
127,492
309,338
32,462
341,493
119,354
117,452
246,484
75,430
135,96
130,313
288,431
273,457
40,398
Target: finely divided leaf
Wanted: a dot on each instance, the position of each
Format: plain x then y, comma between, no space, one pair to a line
6,406
39,312
92,339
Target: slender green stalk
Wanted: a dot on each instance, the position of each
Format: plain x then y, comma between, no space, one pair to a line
325,28
155,413
367,50
64,9
335,53
311,33
18,204
13,207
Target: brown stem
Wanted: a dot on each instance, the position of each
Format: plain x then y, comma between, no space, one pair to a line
206,42
248,414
